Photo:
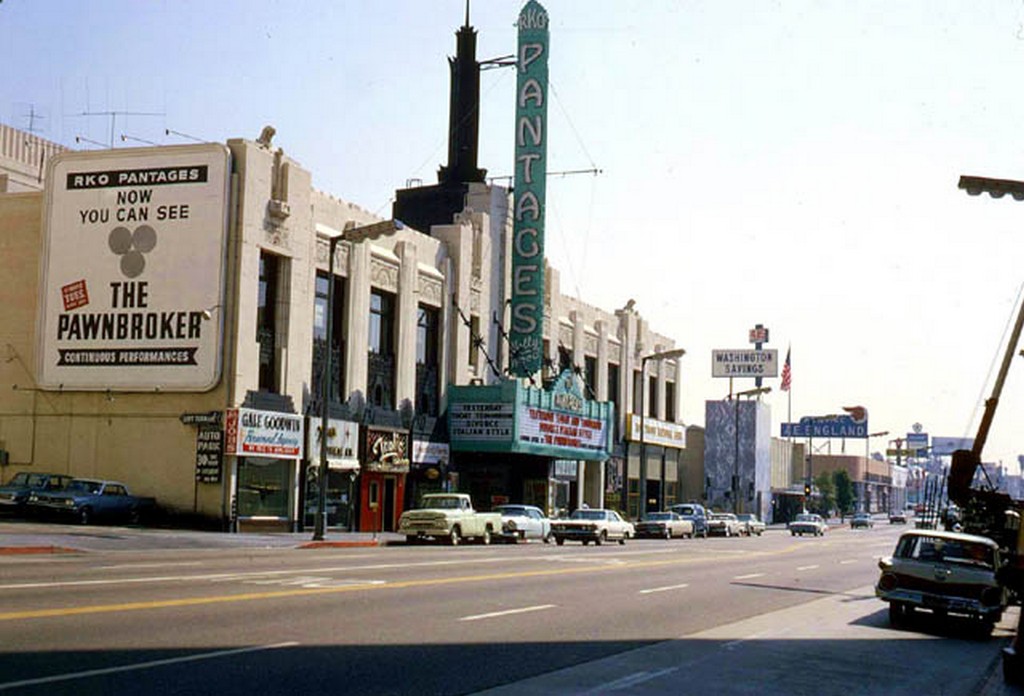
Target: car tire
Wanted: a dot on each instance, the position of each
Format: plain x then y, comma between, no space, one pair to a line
486,538
135,516
84,516
411,539
548,537
898,613
559,541
453,537
601,538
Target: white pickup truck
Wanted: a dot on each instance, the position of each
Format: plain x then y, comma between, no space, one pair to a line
449,517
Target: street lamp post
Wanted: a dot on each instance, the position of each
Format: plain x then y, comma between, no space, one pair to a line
353,235
736,452
867,455
664,355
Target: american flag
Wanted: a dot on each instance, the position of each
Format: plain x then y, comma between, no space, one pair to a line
786,376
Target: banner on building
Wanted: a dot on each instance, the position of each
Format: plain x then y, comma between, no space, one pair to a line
133,269
527,322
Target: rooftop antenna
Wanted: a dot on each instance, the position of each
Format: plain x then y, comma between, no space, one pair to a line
113,117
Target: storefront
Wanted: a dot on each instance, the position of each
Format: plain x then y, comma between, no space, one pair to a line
342,469
382,483
507,437
266,448
662,447
429,470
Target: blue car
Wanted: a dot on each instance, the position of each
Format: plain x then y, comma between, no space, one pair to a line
14,494
89,500
696,513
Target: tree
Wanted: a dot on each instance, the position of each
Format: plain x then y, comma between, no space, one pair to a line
826,492
844,491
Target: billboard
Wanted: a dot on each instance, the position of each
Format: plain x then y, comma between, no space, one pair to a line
745,363
133,269
527,325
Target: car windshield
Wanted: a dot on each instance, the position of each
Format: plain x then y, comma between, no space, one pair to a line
806,518
587,515
685,510
83,486
445,502
512,510
20,479
746,518
657,516
942,550
723,516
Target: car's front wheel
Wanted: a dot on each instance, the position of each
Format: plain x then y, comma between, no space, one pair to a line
486,538
559,541
453,536
85,516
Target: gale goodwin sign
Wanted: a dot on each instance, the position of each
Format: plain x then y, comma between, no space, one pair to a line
132,266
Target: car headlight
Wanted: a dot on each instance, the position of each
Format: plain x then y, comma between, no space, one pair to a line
33,498
992,596
69,503
888,582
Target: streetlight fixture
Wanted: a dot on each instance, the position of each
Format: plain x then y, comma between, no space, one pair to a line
353,235
663,355
736,453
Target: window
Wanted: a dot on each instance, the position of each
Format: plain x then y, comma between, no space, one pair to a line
266,320
320,337
564,359
428,370
381,359
670,402
590,377
474,344
652,399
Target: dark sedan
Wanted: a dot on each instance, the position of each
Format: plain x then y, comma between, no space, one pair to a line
14,494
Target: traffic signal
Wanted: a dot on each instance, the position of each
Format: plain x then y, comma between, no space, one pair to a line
807,489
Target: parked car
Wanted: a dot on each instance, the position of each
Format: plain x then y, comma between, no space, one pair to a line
694,512
897,517
92,500
945,572
449,517
752,525
664,525
595,525
14,494
724,524
808,523
522,522
861,520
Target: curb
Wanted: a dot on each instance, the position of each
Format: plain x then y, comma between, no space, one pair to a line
25,550
339,544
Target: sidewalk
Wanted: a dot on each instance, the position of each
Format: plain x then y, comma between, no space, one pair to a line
19,538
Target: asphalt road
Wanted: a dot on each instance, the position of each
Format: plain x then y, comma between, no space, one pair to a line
716,616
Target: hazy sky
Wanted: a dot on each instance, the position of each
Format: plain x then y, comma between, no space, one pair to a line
779,162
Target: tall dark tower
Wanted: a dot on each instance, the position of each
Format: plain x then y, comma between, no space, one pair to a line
424,206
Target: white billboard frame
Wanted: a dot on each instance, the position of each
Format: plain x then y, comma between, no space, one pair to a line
133,269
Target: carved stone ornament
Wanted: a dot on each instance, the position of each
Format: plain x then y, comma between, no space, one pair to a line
341,252
431,291
384,275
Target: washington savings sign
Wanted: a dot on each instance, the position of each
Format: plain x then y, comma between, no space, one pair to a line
133,269
526,331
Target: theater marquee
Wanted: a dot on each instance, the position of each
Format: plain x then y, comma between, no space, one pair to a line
133,269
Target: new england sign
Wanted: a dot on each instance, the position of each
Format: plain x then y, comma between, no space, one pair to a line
826,426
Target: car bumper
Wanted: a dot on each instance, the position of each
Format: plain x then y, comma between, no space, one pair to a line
576,534
927,600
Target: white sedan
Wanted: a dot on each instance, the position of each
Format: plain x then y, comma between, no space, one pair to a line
522,522
596,526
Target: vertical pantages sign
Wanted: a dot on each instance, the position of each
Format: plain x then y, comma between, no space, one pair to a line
526,331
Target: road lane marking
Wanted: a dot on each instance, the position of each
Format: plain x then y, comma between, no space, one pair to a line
749,577
631,680
140,665
123,566
280,594
507,612
849,561
810,567
664,589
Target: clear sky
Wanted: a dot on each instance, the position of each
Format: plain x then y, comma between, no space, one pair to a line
790,163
